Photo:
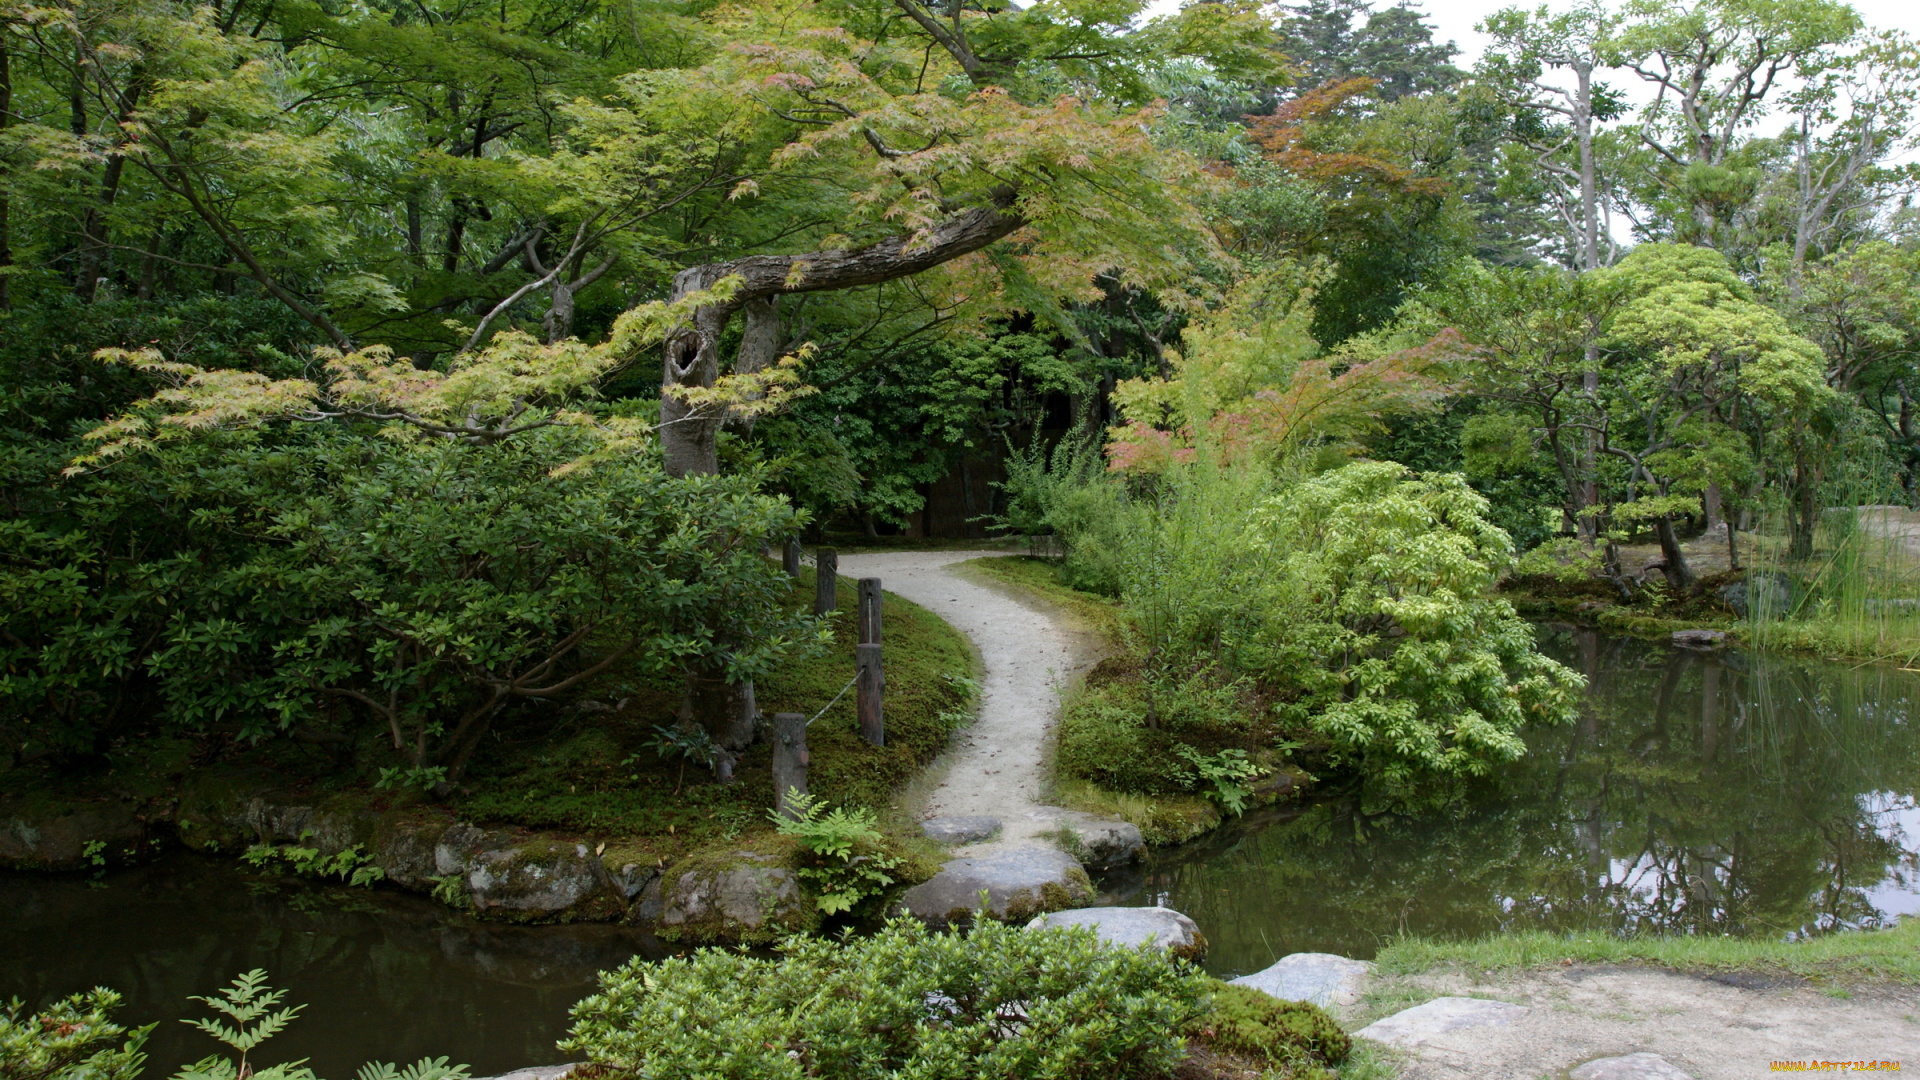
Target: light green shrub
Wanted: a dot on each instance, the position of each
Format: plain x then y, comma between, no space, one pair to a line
1379,617
75,1038
1288,1034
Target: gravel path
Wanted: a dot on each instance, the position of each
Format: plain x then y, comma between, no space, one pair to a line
998,767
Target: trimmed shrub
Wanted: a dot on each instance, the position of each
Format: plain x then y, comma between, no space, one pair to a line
994,1002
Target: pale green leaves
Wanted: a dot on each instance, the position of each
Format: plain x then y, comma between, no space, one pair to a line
1684,305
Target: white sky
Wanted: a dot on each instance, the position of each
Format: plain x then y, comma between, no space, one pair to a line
1455,19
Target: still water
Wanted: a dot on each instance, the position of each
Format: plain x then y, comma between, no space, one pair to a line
1697,793
385,976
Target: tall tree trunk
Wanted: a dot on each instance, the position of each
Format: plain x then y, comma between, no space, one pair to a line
93,239
1803,505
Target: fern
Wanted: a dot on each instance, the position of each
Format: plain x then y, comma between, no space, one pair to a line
851,862
424,1069
253,1006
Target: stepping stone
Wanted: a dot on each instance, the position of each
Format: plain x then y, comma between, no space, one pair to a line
1441,1016
1019,884
1317,978
1630,1067
1099,843
1132,927
963,829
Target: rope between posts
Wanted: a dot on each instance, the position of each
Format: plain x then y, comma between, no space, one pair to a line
836,697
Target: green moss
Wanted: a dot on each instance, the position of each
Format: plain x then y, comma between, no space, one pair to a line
1245,1022
1041,578
1163,820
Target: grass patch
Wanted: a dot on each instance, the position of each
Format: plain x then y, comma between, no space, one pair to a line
1891,955
1162,819
1041,578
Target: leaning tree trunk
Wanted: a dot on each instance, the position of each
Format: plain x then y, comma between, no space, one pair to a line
1679,575
689,433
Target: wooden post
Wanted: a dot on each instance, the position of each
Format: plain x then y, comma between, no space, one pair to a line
872,681
790,558
826,570
869,611
789,760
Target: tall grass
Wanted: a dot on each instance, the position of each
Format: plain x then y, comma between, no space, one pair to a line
1858,594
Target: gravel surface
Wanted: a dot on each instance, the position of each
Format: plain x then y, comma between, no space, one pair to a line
997,767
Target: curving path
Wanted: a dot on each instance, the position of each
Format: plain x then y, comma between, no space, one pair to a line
998,767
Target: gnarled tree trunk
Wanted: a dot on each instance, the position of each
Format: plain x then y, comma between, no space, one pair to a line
689,433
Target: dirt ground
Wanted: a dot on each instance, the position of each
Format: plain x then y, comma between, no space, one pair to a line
1713,1027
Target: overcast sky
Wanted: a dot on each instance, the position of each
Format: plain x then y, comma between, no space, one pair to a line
1455,19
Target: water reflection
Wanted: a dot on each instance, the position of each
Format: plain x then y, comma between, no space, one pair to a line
1698,793
385,976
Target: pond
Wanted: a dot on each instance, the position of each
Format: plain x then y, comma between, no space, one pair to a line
384,975
1698,793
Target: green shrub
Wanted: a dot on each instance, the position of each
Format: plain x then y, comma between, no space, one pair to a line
75,1038
906,1002
1162,733
1377,615
1273,1032
256,583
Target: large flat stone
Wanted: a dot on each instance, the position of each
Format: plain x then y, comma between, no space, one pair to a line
1133,927
961,829
1321,979
537,1072
1018,884
1630,1067
1098,843
1441,1016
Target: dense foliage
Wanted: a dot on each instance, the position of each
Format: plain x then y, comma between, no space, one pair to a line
906,1002
402,369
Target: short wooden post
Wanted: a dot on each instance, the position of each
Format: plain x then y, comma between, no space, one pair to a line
826,571
789,760
790,558
870,684
869,611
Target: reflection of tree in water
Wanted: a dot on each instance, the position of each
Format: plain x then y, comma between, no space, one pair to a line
1698,793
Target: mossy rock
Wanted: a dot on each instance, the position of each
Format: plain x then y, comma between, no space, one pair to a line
1247,1023
727,895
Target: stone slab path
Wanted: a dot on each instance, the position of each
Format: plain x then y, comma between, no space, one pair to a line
1697,1026
998,767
